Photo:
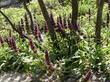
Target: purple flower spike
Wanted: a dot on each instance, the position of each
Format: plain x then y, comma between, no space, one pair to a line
48,62
32,45
52,19
59,26
20,30
60,29
12,44
37,31
47,59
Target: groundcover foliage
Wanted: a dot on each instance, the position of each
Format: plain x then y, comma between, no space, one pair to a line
56,39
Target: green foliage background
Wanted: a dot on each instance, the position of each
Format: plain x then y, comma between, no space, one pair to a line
77,62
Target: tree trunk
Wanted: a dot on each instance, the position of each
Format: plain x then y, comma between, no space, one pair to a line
47,19
74,11
99,22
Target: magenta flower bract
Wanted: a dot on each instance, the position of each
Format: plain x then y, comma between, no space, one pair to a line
48,62
47,59
37,31
32,45
12,43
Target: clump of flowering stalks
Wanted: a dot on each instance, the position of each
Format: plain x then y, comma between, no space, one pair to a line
63,22
60,20
48,62
51,75
61,29
21,31
37,33
12,43
1,41
60,26
32,45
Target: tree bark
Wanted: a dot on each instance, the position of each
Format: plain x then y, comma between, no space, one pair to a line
47,19
74,11
99,22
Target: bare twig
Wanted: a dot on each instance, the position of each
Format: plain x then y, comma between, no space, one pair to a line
12,25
